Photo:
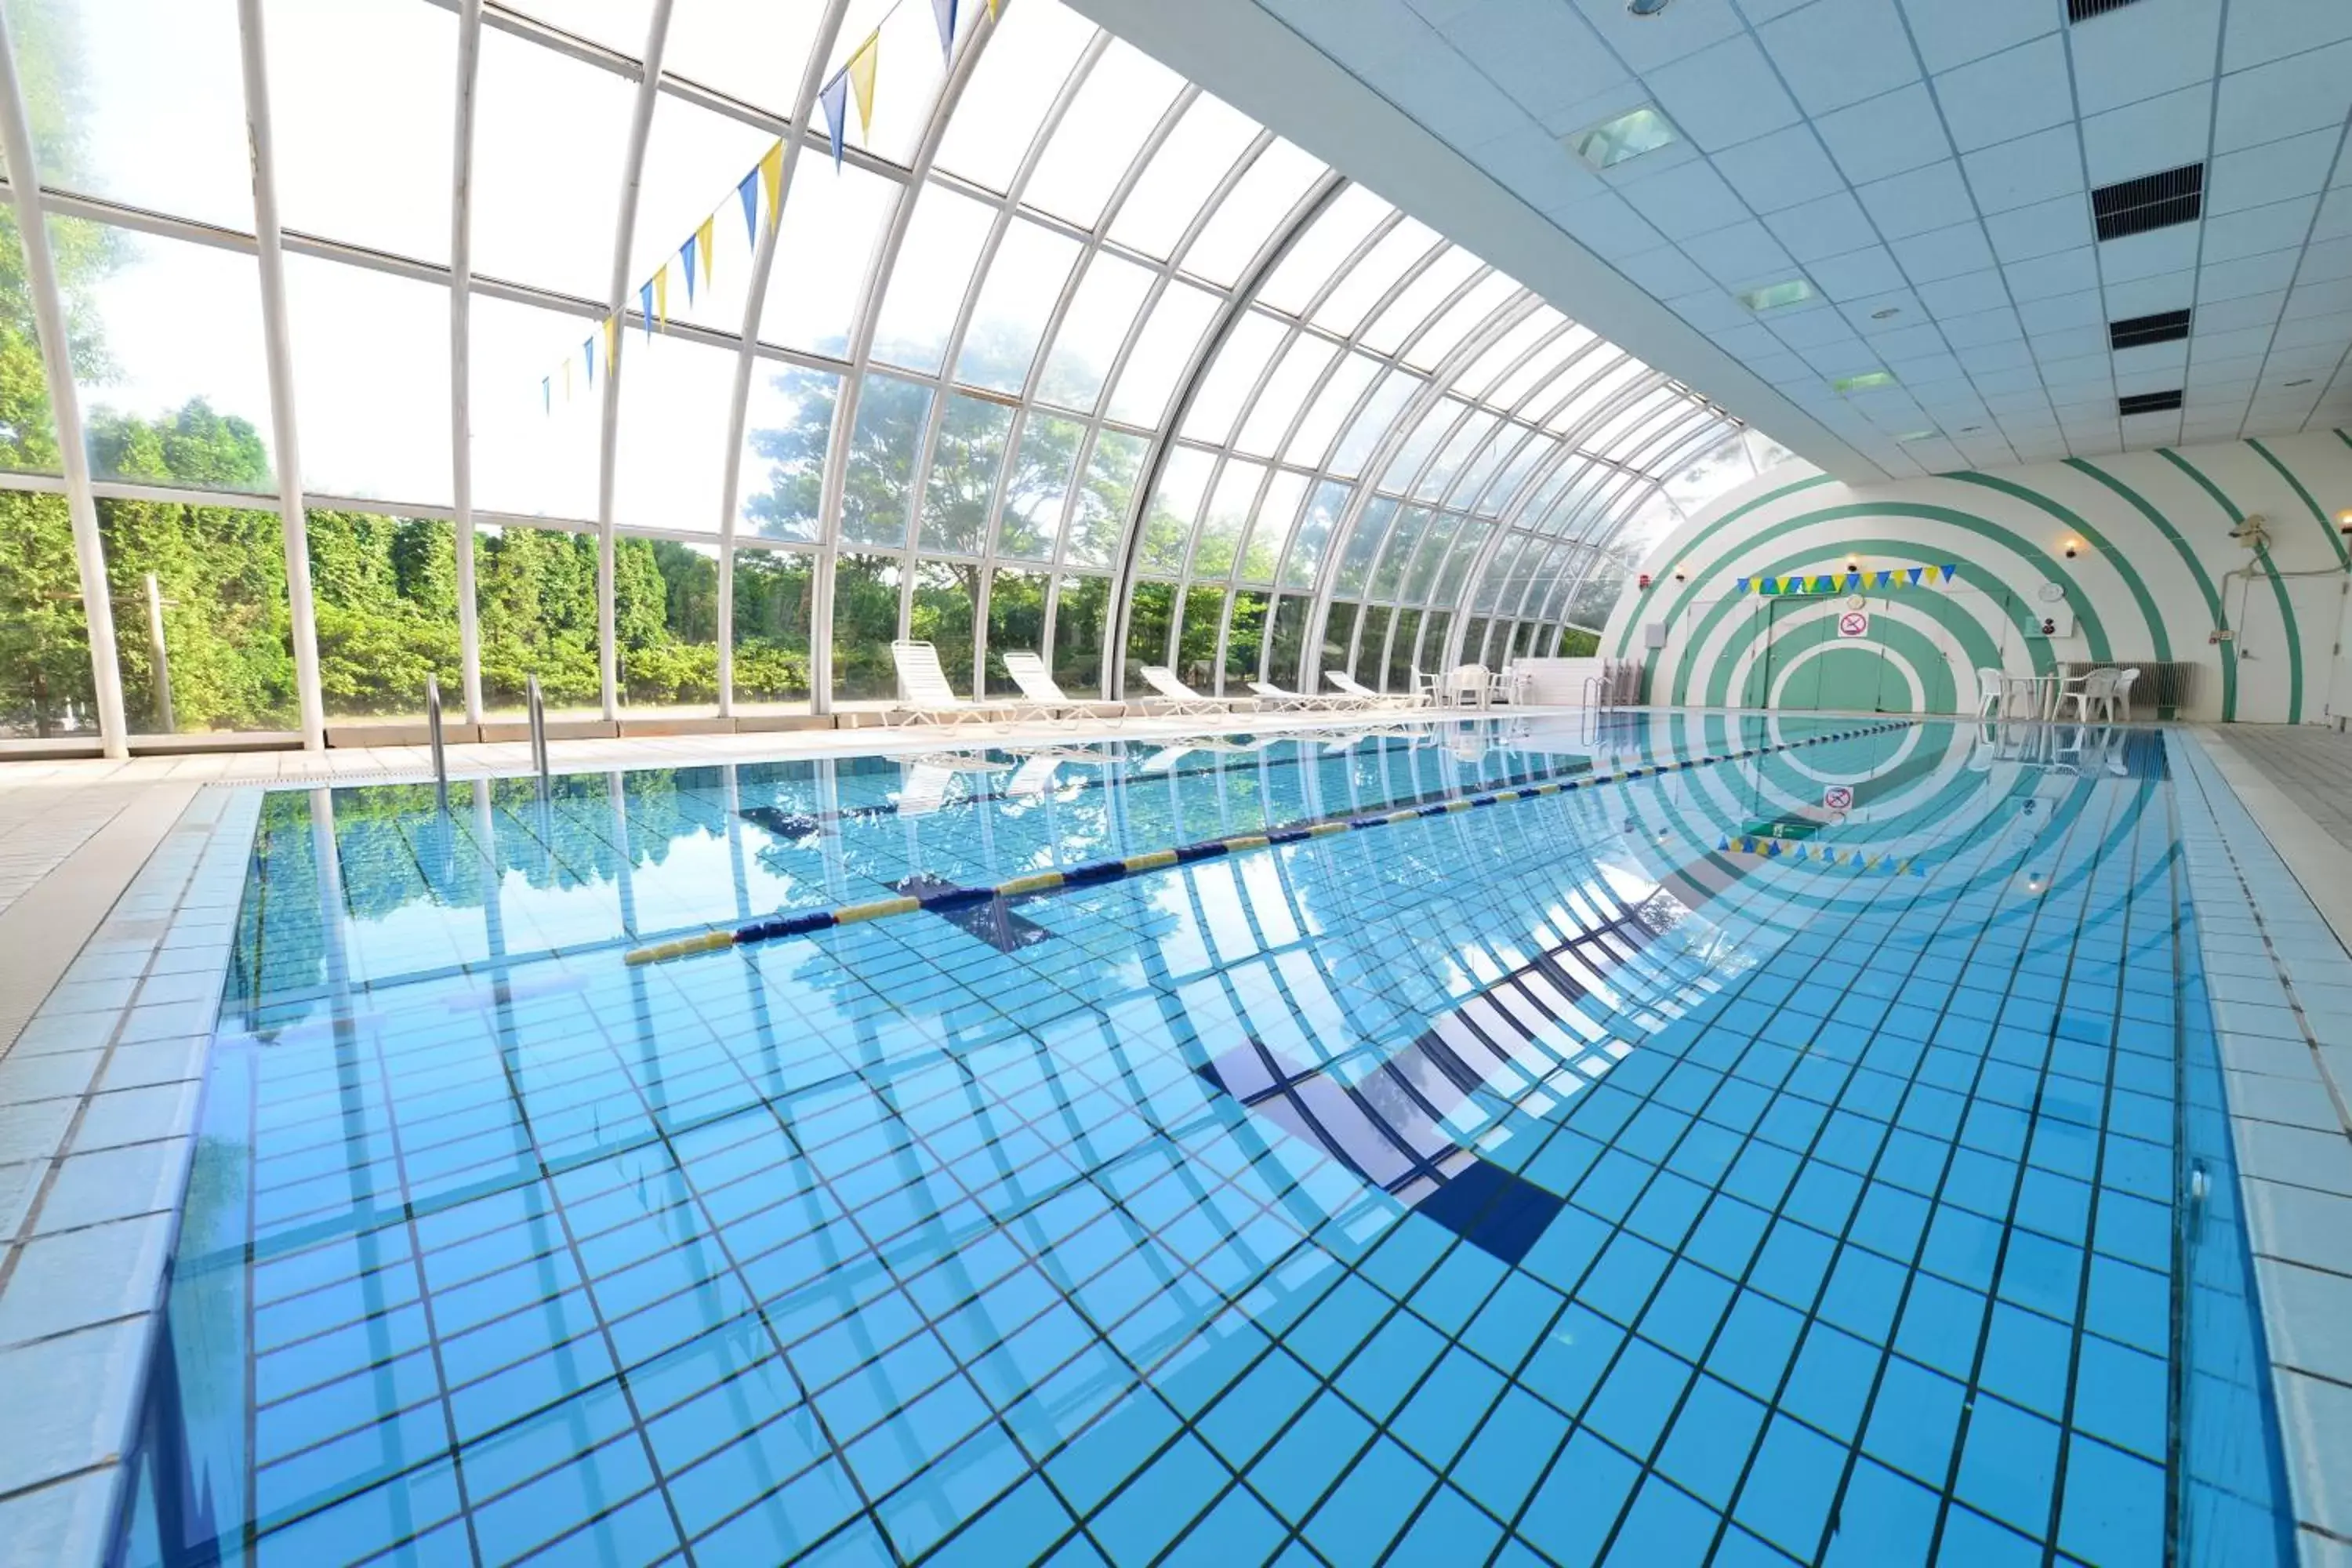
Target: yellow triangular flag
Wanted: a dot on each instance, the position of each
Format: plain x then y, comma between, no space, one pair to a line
771,175
567,378
661,295
992,10
861,76
702,238
612,345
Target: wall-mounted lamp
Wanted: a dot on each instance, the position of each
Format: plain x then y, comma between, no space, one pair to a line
2073,548
1682,574
2344,519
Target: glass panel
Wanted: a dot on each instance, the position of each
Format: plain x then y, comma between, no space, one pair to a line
545,200
1402,655
1038,487
787,430
1422,571
773,598
537,426
1473,643
1101,314
1597,595
45,672
1023,284
1569,418
1168,526
535,600
1016,623
1491,585
1080,620
1196,648
620,25
864,621
666,615
1286,393
1528,454
676,398
1233,375
911,71
891,415
1468,541
1329,240
385,590
220,575
1402,538
935,263
1370,664
1414,453
1437,479
1269,529
1147,616
1388,402
1364,544
338,174
1124,97
1227,515
1250,214
372,382
1471,314
1546,363
966,457
1103,501
695,158
1289,635
1365,284
1477,380
170,394
1198,154
1711,473
755,53
1242,640
947,596
147,105
1029,57
832,220
1306,546
1421,299
1161,353
1483,464
1338,631
1332,405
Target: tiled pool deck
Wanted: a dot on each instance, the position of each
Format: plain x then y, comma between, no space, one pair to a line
98,1097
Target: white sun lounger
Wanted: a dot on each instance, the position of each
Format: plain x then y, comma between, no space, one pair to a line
1350,686
1275,696
1040,691
923,687
1180,698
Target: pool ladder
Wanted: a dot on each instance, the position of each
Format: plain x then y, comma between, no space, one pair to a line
538,705
433,734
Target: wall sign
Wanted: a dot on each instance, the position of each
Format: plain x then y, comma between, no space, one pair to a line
1854,624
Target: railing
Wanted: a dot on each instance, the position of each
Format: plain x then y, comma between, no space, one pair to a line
433,735
538,732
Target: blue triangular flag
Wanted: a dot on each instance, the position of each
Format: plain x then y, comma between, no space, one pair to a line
686,254
590,346
836,98
748,193
546,396
646,306
945,11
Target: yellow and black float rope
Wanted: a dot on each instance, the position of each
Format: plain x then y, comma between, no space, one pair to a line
1095,873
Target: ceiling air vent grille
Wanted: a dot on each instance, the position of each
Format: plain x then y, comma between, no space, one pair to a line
2083,10
2152,201
2164,326
2148,403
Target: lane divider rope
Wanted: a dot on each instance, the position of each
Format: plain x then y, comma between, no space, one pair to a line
941,900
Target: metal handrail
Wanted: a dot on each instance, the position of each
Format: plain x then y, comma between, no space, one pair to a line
538,707
433,734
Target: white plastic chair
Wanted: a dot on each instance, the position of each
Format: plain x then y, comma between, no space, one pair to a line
2119,705
1992,693
2097,687
1468,686
929,699
1040,691
1180,698
1426,688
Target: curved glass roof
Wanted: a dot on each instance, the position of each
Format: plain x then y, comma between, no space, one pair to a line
1066,349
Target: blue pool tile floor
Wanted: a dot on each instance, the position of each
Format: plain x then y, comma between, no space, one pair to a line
1666,1169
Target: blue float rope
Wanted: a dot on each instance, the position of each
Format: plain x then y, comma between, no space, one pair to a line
942,900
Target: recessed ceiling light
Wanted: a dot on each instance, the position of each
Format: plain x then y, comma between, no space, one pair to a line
1645,8
1888,314
1777,296
2304,382
1920,436
1970,429
1863,383
1628,135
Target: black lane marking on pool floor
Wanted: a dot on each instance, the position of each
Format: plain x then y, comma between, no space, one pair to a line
992,919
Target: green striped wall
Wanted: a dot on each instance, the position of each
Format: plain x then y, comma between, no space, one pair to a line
2155,575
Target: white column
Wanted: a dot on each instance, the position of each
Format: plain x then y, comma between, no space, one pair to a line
461,308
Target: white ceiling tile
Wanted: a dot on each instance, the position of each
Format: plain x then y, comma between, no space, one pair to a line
2258,176
2312,330
2311,300
1953,32
1994,383
2149,359
1885,136
1611,227
1646,42
1829,227
2149,255
2335,221
2140,383
1927,367
2007,95
2151,46
2071,342
1857,274
1966,295
2146,432
1779,368
2148,137
1996,334
2068,272
2002,355
2036,168
1539,52
1724,95
1781,169
1839,52
1907,312
2254,275
2235,315
1810,330
2024,233
1916,202
1955,395
2278,28
1757,11
2325,262
1706,309
1666,273
1944,252
1742,256
2259,229
1444,91
2217,372
2065,310
1686,201
1850,356
1911,342
2301,361
2146,296
1538,169
2286,98
2252,341
1747,339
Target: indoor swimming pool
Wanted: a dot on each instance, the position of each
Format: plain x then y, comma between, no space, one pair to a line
1644,1139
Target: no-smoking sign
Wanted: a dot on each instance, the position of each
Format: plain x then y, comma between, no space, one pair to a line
1854,624
1838,797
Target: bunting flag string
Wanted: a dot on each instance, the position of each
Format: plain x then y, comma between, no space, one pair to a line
944,13
661,295
747,191
862,68
686,258
1800,583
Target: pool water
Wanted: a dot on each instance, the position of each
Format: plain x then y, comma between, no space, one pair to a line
1793,1158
